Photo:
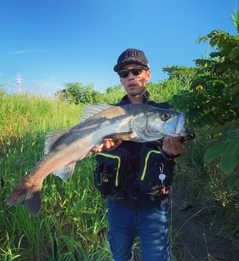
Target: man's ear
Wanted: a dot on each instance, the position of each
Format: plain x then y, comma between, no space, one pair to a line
147,75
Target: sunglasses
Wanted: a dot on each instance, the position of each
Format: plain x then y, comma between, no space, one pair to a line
135,71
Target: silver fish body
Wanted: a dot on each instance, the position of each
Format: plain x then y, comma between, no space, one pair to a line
63,148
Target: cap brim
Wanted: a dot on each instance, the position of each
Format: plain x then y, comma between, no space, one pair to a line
117,67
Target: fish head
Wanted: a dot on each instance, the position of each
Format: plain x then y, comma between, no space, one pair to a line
165,123
155,123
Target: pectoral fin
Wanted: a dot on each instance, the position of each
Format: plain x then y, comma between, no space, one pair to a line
65,172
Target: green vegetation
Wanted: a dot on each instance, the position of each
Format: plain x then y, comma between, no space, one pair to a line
212,101
72,223
212,106
77,93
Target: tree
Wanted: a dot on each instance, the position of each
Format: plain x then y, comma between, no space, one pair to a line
77,93
182,73
213,98
116,88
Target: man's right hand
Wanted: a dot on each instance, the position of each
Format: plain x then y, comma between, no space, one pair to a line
108,144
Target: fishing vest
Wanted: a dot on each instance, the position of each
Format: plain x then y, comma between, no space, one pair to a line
135,175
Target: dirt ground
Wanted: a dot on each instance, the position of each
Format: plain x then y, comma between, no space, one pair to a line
200,240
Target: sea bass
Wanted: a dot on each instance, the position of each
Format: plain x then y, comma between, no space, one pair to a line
63,148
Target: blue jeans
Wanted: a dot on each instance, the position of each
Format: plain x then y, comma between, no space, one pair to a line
150,224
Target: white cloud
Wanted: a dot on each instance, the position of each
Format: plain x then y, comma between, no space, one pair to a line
19,52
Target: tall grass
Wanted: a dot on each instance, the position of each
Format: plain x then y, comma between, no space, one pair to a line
72,222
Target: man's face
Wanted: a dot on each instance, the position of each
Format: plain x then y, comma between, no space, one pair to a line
135,84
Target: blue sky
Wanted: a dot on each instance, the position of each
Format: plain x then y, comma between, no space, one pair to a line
50,42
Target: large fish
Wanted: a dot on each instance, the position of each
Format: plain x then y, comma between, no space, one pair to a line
63,148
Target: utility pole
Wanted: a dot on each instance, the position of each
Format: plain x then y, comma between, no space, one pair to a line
19,81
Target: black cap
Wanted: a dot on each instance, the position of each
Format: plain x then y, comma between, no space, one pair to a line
131,56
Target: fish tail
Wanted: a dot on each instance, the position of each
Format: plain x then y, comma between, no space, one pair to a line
27,195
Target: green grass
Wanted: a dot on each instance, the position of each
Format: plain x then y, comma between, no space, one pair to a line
72,223
73,214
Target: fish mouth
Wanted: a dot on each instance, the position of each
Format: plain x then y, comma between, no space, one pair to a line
176,127
183,132
187,135
180,129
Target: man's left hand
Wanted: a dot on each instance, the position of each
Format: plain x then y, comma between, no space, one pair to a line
173,146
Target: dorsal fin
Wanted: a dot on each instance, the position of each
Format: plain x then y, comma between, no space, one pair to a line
91,110
52,137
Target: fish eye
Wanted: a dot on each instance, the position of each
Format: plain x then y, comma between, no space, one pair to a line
165,116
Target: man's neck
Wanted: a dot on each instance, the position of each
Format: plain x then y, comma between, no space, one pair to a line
138,99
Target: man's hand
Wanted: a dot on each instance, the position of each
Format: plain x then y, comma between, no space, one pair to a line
173,146
108,144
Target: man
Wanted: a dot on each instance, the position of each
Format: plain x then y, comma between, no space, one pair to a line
131,211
